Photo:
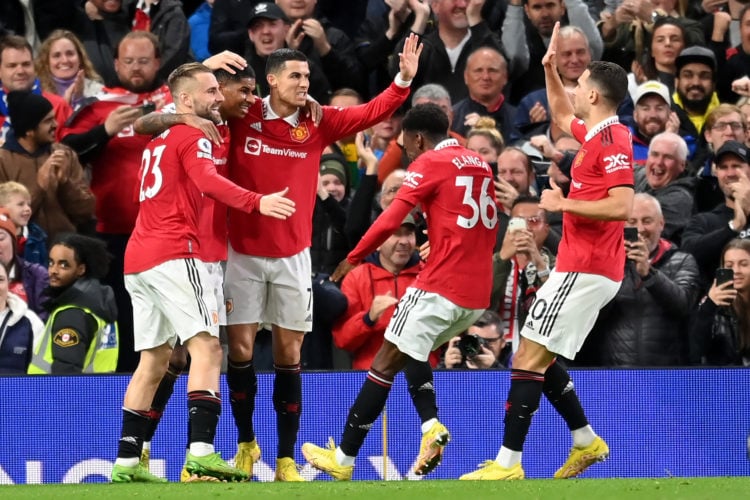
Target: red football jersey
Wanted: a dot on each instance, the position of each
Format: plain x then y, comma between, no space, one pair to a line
114,176
604,161
268,153
455,189
174,164
212,225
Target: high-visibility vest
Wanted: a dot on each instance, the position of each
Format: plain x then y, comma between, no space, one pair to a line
101,356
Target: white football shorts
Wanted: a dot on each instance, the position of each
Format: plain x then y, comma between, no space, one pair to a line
269,290
172,301
565,310
423,321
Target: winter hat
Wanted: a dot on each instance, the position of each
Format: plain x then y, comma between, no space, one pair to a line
7,225
333,164
26,110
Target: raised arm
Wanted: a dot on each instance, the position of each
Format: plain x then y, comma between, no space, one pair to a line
559,104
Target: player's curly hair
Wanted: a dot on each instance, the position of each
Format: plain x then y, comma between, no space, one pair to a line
87,250
427,119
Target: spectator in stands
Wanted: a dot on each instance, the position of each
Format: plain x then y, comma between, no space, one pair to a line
658,63
491,352
378,36
267,30
324,45
17,73
485,139
102,133
725,123
384,132
21,329
33,19
32,240
708,232
200,23
721,25
395,156
526,31
646,323
101,24
521,265
486,75
26,280
652,116
60,197
664,178
573,57
460,31
81,333
65,69
345,147
515,177
720,331
167,21
694,96
228,31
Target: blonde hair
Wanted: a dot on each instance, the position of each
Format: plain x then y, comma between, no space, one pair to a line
486,127
7,189
41,63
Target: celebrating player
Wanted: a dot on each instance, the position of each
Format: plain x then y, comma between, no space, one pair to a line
167,281
268,267
588,271
454,186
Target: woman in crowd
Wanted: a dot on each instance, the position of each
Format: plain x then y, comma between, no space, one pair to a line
20,328
721,330
486,139
64,68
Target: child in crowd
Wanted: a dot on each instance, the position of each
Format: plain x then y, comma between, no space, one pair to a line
32,240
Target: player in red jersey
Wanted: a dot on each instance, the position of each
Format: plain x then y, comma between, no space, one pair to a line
268,276
454,187
237,89
589,268
166,280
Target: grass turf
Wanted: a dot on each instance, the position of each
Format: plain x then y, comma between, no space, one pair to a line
610,489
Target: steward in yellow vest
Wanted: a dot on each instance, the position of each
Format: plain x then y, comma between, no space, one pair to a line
81,333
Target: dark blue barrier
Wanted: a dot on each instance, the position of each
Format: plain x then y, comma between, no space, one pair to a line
658,423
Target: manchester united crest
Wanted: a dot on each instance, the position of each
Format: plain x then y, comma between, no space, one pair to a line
300,133
579,158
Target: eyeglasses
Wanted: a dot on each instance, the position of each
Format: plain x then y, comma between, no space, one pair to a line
720,126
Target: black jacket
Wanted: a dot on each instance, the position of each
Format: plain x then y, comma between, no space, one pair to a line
714,334
646,322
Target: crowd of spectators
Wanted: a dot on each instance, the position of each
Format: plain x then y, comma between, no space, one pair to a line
76,74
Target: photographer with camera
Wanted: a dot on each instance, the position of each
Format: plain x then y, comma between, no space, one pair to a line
481,347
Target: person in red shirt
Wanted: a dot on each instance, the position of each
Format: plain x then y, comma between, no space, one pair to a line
268,275
166,278
454,187
588,270
237,89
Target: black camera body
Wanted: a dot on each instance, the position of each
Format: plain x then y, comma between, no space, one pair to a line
470,345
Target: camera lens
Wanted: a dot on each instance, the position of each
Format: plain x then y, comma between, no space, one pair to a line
470,345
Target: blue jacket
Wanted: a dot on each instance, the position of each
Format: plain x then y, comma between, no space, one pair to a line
18,332
35,246
199,23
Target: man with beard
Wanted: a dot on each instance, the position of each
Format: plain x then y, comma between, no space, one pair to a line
167,280
694,97
103,136
515,177
652,115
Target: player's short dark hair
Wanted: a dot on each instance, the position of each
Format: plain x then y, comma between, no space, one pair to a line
223,76
427,119
610,79
87,250
279,57
183,73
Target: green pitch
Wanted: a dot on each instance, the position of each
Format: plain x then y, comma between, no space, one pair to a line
609,489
